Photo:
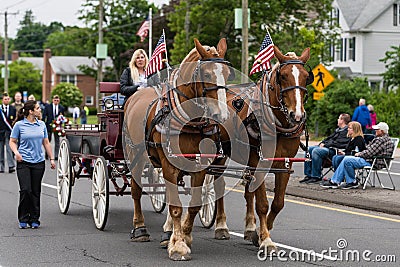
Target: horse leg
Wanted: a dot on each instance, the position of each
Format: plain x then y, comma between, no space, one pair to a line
194,206
139,232
250,220
221,228
177,248
265,241
281,181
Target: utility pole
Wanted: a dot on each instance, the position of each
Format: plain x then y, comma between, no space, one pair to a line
245,38
6,50
100,61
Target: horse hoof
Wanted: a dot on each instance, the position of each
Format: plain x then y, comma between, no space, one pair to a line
271,248
255,238
140,235
177,257
248,235
165,237
222,234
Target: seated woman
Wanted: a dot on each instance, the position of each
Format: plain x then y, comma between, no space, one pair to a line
133,77
356,144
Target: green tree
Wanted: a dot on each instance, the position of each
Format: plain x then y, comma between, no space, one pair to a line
73,41
340,97
32,35
70,94
122,19
387,108
23,77
392,63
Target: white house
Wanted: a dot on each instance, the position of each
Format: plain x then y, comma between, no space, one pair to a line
368,29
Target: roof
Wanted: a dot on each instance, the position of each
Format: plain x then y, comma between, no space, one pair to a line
67,65
360,13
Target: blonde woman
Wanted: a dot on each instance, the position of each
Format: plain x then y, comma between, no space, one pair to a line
133,77
354,131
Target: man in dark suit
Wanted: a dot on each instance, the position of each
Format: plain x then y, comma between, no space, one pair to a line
51,112
7,116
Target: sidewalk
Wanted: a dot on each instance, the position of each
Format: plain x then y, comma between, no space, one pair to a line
376,199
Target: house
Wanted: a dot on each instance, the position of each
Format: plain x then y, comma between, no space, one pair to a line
57,69
368,29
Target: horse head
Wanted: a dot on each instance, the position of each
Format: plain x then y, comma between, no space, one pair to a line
288,81
202,77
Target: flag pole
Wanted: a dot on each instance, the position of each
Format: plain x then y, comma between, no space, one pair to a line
150,31
166,54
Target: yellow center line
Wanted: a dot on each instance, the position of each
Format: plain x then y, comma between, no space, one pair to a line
327,208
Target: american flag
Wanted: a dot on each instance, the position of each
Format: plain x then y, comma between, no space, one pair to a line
156,60
264,56
143,32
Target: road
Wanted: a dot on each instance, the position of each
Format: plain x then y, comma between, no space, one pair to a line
303,225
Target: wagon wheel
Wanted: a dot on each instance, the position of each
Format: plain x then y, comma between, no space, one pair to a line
100,193
208,212
64,176
157,199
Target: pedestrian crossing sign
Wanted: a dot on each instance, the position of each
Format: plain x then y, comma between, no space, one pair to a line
322,78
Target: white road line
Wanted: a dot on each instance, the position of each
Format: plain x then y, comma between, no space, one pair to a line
49,186
303,251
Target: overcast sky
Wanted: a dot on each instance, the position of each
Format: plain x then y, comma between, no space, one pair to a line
44,11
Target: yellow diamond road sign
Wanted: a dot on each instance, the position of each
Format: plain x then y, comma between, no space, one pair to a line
322,78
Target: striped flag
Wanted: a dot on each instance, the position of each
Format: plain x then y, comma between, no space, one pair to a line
264,56
143,31
156,60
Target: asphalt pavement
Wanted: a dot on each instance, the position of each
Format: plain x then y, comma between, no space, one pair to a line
372,198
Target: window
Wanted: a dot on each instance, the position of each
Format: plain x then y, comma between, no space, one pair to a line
395,14
339,50
68,79
335,16
89,100
351,49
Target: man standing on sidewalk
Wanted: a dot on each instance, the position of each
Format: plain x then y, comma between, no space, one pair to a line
7,116
326,149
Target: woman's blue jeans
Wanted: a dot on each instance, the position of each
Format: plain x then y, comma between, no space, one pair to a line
346,169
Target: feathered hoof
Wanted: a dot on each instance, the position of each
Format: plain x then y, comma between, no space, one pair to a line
179,251
222,234
248,235
177,257
269,246
140,235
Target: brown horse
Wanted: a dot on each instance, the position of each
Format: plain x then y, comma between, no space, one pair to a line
187,112
266,121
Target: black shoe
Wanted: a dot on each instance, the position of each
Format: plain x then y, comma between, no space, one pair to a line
11,170
329,184
313,181
1,171
350,185
305,179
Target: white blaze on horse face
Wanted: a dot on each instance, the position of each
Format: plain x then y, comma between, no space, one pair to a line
296,74
223,108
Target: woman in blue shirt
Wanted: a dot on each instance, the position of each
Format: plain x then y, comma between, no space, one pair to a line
27,138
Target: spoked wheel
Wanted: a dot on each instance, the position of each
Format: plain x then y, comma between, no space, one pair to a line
100,193
157,193
208,212
64,176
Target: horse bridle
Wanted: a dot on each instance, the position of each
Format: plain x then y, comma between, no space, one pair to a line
197,72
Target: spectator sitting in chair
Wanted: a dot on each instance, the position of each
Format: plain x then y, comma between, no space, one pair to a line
326,149
356,144
381,145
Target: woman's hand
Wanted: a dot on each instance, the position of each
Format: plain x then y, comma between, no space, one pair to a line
53,164
18,157
340,152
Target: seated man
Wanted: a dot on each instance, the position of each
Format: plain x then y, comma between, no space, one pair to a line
381,145
325,149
